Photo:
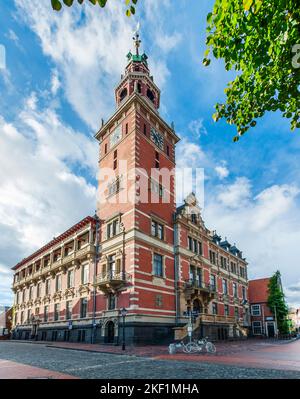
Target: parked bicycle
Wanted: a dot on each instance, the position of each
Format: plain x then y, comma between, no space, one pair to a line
201,345
194,346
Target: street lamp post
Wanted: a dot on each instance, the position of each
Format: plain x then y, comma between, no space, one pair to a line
123,313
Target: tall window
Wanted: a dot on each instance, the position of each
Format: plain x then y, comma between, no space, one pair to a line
22,318
111,302
30,292
56,311
213,284
112,265
235,290
39,290
156,159
23,295
115,159
212,257
233,267
113,228
225,286
194,218
158,265
214,308
195,245
85,274
242,272
28,315
223,262
68,310
46,313
255,310
190,242
83,307
236,312
58,283
70,279
256,327
200,251
244,293
157,230
47,286
226,310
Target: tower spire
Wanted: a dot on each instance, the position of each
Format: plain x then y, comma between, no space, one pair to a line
136,38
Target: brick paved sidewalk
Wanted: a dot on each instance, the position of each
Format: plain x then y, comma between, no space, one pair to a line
226,349
13,370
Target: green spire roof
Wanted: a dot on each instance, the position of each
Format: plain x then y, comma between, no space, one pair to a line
137,57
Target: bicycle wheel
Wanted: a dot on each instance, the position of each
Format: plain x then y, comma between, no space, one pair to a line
210,347
192,347
186,349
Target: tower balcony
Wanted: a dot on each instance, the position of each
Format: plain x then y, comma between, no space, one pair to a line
112,281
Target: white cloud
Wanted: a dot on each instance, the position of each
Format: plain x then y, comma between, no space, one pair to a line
55,82
89,51
235,195
222,170
197,128
40,194
266,227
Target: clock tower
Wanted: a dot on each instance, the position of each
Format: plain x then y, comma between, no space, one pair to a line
136,204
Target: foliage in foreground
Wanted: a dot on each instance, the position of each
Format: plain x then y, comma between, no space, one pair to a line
260,39
277,304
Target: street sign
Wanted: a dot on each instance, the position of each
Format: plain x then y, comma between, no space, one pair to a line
70,325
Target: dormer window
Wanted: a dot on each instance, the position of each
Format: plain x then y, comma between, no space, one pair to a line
194,218
123,94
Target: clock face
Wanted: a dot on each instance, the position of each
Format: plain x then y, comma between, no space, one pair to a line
157,138
116,136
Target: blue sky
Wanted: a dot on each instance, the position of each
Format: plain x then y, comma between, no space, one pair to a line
59,82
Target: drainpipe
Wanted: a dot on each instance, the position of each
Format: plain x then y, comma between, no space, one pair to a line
95,277
176,271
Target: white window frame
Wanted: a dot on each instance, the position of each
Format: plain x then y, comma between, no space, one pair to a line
256,312
260,325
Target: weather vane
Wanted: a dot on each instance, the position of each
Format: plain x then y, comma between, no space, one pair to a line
136,38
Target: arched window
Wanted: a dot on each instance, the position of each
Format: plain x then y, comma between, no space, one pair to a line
139,87
150,95
123,94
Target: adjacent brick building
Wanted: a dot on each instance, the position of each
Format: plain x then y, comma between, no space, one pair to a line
139,251
263,321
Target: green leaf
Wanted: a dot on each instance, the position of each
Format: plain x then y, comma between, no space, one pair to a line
247,4
56,5
102,3
206,61
68,2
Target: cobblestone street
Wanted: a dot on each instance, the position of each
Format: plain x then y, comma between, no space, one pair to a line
47,360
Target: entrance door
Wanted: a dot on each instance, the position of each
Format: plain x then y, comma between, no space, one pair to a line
197,307
110,332
271,330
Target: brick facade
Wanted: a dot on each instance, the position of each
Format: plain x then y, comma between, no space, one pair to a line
139,252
